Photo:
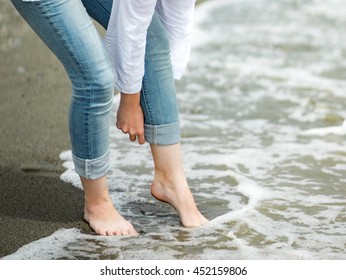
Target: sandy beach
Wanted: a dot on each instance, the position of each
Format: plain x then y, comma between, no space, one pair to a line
34,100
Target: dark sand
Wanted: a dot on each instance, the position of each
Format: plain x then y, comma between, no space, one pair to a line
34,100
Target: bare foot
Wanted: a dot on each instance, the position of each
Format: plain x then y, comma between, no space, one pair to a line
100,213
104,219
178,195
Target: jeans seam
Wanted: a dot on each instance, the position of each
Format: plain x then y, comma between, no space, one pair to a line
155,135
147,103
80,68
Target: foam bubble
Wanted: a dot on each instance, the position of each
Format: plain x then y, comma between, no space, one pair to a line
69,175
337,130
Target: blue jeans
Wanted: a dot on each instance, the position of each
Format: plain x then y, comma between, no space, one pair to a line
66,28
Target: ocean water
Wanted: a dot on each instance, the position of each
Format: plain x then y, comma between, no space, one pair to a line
264,141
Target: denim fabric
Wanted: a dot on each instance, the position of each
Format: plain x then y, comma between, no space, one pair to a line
158,95
158,98
66,28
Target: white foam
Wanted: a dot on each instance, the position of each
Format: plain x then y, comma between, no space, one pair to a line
46,248
250,190
323,131
69,175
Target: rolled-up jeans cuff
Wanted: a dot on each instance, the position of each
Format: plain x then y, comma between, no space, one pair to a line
92,168
165,134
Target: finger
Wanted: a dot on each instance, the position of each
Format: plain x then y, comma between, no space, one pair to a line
141,139
132,137
118,126
124,130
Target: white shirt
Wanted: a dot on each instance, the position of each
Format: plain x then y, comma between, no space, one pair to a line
125,38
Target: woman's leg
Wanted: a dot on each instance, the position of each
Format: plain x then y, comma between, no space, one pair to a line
162,128
170,185
99,210
65,27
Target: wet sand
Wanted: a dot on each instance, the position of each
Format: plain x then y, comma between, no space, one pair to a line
34,100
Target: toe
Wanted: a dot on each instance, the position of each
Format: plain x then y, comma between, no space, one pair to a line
102,233
110,233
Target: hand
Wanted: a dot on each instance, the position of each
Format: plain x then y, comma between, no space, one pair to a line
130,117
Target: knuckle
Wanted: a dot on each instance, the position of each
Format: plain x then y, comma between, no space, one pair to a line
140,131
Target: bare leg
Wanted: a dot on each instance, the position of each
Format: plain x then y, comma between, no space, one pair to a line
99,211
170,185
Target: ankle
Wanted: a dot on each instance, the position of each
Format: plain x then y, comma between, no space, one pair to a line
92,200
95,191
169,179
